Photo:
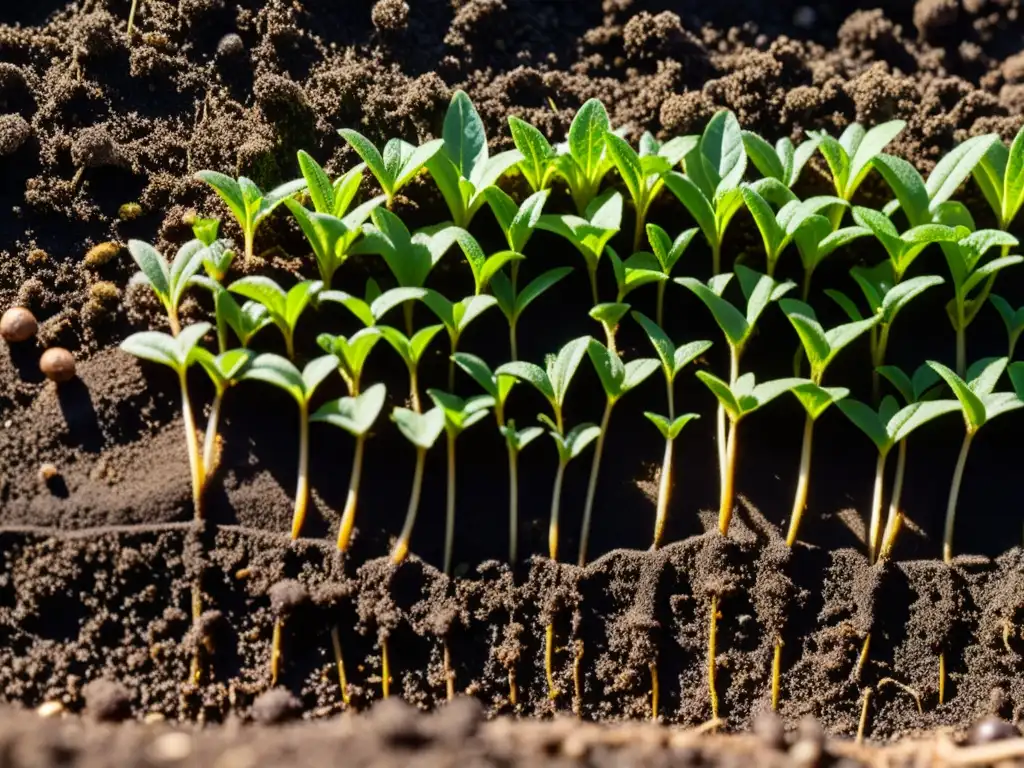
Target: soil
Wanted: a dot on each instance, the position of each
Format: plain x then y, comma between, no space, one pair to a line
99,554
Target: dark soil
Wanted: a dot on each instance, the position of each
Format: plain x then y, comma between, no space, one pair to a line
100,556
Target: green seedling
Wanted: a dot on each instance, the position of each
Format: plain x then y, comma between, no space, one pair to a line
538,165
820,347
638,270
922,201
518,223
331,198
356,415
372,308
783,162
738,401
206,230
779,228
459,415
668,252
1000,176
586,161
225,370
177,353
710,190
456,317
589,233
617,379
351,353
422,430
397,165
463,168
168,281
301,385
484,267
815,241
1013,319
513,302
411,351
248,203
979,404
331,236
609,315
219,254
737,327
850,156
903,248
642,172
673,359
284,307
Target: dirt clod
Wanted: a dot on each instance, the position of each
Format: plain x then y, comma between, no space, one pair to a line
390,15
14,132
94,147
100,254
286,596
107,700
276,706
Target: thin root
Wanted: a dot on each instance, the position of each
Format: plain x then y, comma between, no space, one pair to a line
577,680
942,677
339,662
906,689
862,727
449,674
862,660
655,690
776,673
385,667
549,661
275,653
712,670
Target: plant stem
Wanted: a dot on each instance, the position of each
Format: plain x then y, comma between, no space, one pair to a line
302,489
776,674
728,482
638,228
289,344
339,662
942,677
449,674
875,527
577,678
954,492
513,506
655,690
895,519
556,501
805,291
595,468
803,482
549,659
454,340
275,651
864,709
407,310
210,438
712,664
512,344
449,523
348,517
195,460
402,545
878,360
716,258
592,272
195,670
660,311
664,492
250,236
131,20
514,270
734,372
414,389
385,669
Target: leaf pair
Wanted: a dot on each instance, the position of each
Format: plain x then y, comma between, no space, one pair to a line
978,400
903,248
168,281
585,160
513,303
176,352
1000,175
410,257
746,396
850,156
351,353
284,307
553,380
778,228
397,165
618,378
887,426
783,162
821,346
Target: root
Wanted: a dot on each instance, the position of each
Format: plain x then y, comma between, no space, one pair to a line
942,677
577,681
906,689
712,670
862,727
863,658
275,652
1007,634
549,661
195,673
385,669
776,673
339,662
513,689
654,691
449,674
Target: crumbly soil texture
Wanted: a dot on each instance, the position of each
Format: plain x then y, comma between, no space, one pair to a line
100,557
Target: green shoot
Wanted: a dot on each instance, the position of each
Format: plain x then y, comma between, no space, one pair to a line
331,236
331,198
459,415
411,350
538,165
710,190
484,267
131,20
642,268
225,370
779,228
422,430
979,404
616,379
356,415
168,281
668,252
783,162
517,222
284,307
1000,175
815,241
463,168
513,303
371,309
738,401
589,233
903,248
397,166
351,354
248,203
456,317
670,430
206,230
219,253
587,161
177,353
282,373
1013,319
609,314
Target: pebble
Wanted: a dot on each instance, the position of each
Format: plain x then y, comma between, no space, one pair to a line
57,364
18,324
107,700
991,729
770,729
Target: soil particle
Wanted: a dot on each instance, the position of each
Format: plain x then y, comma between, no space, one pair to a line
230,46
396,723
934,17
276,706
14,133
107,700
390,15
287,596
770,729
659,36
686,113
94,147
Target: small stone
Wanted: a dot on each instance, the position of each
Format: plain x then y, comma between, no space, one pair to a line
17,325
809,744
107,700
100,254
770,729
48,472
50,709
276,706
57,364
991,729
14,132
94,147
170,748
390,15
230,46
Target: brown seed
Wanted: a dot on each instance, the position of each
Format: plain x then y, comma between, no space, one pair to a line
57,364
100,254
18,324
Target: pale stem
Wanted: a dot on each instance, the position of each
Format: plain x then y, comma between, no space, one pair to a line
660,312
595,468
875,527
556,503
210,438
638,228
549,660
728,482
250,236
954,493
716,258
275,651
454,338
513,506
803,482
895,519
878,359
402,545
449,674
195,460
131,20
942,677
712,663
172,320
776,674
449,522
805,292
385,669
734,372
664,493
302,488
655,690
835,215
414,389
289,344
339,663
348,517
407,310
515,274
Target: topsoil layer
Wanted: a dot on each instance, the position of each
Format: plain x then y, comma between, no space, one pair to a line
99,557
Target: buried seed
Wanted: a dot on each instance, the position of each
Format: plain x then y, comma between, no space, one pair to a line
58,365
17,325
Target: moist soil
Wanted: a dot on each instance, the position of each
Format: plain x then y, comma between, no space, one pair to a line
99,551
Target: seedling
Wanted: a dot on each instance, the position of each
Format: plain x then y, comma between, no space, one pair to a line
589,233
513,303
459,415
1000,175
710,190
284,307
225,370
779,228
903,248
609,315
738,401
398,165
815,241
411,351
638,270
517,223
463,168
206,230
248,203
587,161
332,198
979,404
821,348
177,353
456,317
783,162
616,379
356,415
673,359
168,281
422,430
668,252
538,164
484,267
351,353
219,254
922,201
1013,319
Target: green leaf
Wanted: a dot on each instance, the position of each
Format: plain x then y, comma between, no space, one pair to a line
280,372
465,142
276,196
525,221
420,429
579,438
972,406
764,217
230,192
729,319
481,374
518,440
154,267
369,155
157,347
693,199
609,314
609,368
344,190
392,298
315,372
321,191
874,141
638,371
1013,180
983,375
587,137
531,374
907,184
837,159
916,414
537,152
722,145
298,298
902,294
812,334
845,303
900,380
205,230
868,421
1016,374
460,414
265,291
627,163
670,429
412,162
663,346
954,168
538,286
764,157
355,415
767,391
721,390
816,399
562,369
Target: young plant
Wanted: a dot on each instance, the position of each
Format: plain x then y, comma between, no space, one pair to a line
459,415
587,161
350,353
219,253
456,317
356,415
903,248
177,353
710,190
779,228
1013,319
399,163
422,430
589,233
783,162
332,198
638,270
616,379
301,385
538,165
284,307
168,281
1000,176
248,203
411,350
375,304
463,168
816,240
225,370
979,404
513,302
482,266
673,359
331,236
518,223
821,348
668,252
